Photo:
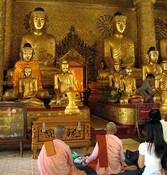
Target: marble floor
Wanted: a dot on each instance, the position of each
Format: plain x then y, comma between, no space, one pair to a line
12,164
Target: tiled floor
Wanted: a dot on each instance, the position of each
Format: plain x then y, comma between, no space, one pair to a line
12,164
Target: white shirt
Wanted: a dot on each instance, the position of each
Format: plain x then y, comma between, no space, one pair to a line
151,162
164,126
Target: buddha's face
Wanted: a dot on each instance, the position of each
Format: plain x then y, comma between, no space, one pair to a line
27,53
117,67
27,71
153,55
39,19
120,24
128,71
64,68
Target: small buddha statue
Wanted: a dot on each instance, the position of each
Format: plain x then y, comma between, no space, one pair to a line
128,87
103,72
152,67
44,44
28,89
115,78
63,82
163,49
118,49
161,84
26,58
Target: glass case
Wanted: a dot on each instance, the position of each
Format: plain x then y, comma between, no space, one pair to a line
13,119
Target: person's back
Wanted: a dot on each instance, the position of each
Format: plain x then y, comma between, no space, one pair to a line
108,153
60,161
151,150
164,163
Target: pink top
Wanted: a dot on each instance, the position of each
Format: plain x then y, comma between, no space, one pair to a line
115,155
59,164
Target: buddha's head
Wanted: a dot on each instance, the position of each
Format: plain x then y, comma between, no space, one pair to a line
116,67
128,70
64,66
38,19
27,71
119,23
153,54
26,52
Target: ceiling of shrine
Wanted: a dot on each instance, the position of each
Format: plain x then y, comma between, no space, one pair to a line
159,5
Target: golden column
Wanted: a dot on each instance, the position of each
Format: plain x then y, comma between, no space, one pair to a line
2,32
145,27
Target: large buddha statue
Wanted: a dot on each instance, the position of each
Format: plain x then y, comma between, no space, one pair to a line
63,82
152,67
119,49
26,58
28,89
44,44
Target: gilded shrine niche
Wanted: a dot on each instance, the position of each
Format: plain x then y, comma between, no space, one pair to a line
80,56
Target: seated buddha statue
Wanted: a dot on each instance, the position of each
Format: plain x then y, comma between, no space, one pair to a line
63,82
26,58
152,67
44,44
161,83
28,89
103,72
128,87
163,49
118,49
115,78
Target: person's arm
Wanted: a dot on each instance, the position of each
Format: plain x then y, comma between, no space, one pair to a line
94,155
141,161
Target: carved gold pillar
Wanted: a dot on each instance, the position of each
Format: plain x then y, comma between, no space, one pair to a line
2,31
8,34
145,27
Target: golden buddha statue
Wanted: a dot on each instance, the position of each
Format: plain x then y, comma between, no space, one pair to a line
63,82
115,78
128,87
118,49
28,89
152,67
44,44
103,72
161,83
163,49
26,55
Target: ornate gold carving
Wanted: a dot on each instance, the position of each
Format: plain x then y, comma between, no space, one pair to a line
160,28
104,25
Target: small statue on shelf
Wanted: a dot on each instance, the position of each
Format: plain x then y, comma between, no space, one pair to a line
28,89
103,72
115,78
128,87
152,67
63,82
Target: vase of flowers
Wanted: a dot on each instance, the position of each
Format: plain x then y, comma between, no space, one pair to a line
114,95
